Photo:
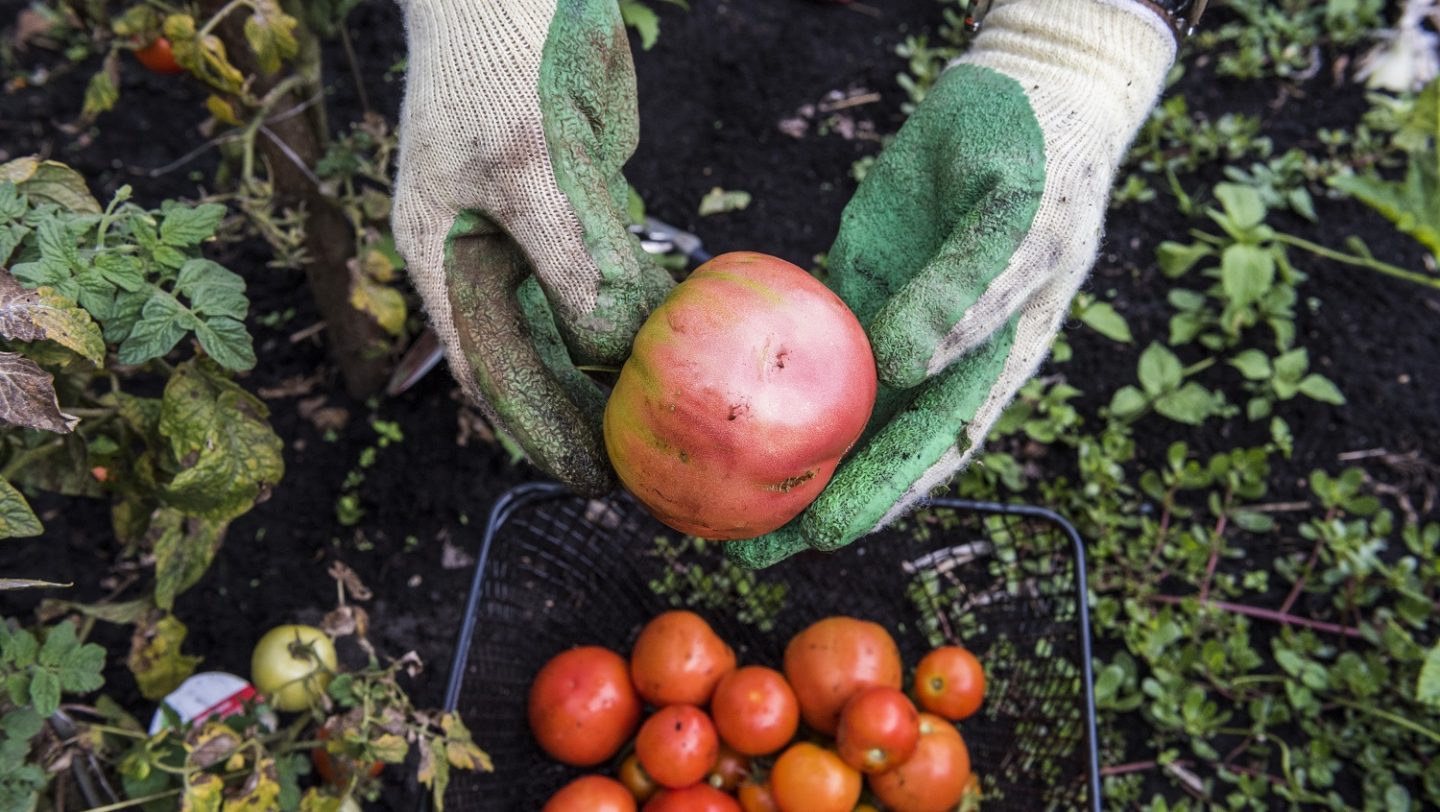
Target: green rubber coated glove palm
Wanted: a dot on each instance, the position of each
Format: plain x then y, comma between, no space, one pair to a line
510,211
963,247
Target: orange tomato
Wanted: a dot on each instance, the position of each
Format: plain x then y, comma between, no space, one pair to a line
755,710
678,659
934,778
337,769
809,778
678,746
832,660
950,682
582,707
879,729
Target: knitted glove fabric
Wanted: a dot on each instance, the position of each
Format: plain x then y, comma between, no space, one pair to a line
962,249
509,209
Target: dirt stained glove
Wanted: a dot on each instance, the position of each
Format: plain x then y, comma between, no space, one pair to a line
961,250
510,212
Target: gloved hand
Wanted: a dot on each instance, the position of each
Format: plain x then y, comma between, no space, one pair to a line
963,247
509,209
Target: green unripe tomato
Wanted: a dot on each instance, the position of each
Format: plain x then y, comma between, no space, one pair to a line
292,666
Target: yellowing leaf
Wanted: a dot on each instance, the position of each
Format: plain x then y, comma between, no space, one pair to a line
271,34
375,298
32,315
50,182
222,110
103,90
202,793
260,791
155,657
184,546
204,57
17,520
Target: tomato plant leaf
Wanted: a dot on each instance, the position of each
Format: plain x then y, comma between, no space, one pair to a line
1191,404
1412,204
1318,387
226,452
103,91
44,691
27,396
259,793
45,314
203,793
186,226
163,323
155,658
17,520
380,301
270,33
50,182
184,547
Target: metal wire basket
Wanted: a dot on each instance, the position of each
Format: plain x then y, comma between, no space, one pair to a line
1008,582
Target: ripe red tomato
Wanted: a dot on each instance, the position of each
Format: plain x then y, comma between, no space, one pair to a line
678,746
809,778
950,682
879,729
832,660
697,798
730,769
934,778
756,797
755,710
635,779
743,390
678,659
591,793
582,705
337,769
159,57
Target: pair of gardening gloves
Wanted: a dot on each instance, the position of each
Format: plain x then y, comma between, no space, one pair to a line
959,253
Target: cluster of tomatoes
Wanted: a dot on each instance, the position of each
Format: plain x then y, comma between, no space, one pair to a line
722,738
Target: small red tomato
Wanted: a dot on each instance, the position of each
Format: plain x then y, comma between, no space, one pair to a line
755,710
879,729
635,779
730,769
678,746
935,776
159,57
591,793
757,797
697,798
582,706
949,682
809,778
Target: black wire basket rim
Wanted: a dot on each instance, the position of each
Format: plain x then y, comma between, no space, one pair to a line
527,494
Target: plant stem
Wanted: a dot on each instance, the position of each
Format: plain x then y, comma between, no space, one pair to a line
1364,262
218,16
29,455
1269,614
1393,718
1198,366
134,802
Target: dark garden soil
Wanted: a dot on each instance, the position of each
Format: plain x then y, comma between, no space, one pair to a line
713,93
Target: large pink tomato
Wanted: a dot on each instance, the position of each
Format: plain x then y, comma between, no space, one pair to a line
744,389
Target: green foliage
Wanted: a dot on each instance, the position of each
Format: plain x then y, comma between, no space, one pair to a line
36,672
1412,203
1282,38
694,576
640,16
